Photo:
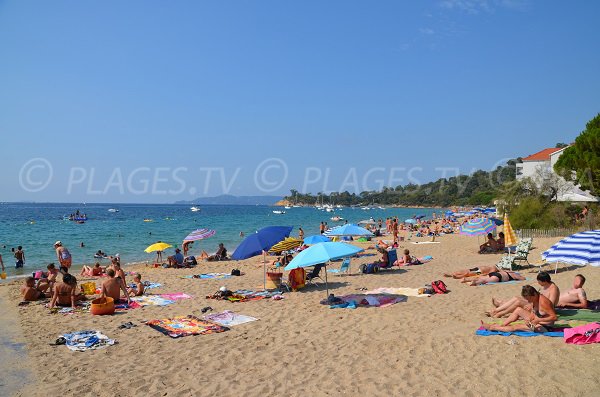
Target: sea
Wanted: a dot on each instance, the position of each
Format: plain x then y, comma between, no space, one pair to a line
37,226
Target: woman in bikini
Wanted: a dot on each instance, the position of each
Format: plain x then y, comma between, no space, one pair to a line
65,293
499,276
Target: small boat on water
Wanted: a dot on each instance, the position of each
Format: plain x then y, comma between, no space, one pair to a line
195,209
147,220
277,212
287,207
113,210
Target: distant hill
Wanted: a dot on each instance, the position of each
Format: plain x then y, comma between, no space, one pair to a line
226,199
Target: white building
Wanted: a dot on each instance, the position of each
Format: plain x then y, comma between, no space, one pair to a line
540,164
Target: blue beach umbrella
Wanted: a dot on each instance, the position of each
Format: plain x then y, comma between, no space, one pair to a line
420,216
318,238
322,253
259,243
348,230
410,220
577,249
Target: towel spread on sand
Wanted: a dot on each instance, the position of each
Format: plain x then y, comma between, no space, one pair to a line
87,340
553,333
152,300
213,276
425,242
399,291
147,285
504,282
366,300
579,314
176,296
229,318
180,326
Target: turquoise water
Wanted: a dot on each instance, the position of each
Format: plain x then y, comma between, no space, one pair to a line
37,226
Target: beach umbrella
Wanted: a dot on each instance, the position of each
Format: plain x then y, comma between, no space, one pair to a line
367,222
577,249
410,220
348,230
160,246
477,227
199,234
420,216
322,253
319,238
497,222
259,243
510,238
287,244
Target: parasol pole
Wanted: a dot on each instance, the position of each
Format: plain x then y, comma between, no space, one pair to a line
264,270
326,284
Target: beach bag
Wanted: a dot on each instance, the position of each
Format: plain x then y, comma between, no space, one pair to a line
583,335
236,272
370,268
89,288
439,287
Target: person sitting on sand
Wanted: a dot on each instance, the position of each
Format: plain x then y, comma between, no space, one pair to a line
501,242
385,257
220,255
475,271
407,260
63,255
499,276
176,260
119,273
138,290
113,287
65,293
30,292
490,246
540,315
549,290
95,271
575,297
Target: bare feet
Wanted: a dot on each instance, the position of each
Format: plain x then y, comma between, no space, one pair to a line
485,326
495,302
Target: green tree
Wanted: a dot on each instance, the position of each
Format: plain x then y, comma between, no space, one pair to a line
580,162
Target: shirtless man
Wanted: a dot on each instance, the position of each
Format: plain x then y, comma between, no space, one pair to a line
575,297
536,319
549,290
113,287
19,257
63,255
476,271
32,293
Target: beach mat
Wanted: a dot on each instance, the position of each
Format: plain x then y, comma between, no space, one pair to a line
554,333
229,318
147,285
398,291
152,300
181,326
365,300
504,282
209,276
425,242
579,314
176,296
86,340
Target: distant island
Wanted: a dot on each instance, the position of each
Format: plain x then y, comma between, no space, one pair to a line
226,199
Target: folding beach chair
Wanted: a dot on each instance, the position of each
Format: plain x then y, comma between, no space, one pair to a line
507,262
522,250
315,274
344,268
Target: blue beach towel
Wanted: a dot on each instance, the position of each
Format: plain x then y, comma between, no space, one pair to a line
526,334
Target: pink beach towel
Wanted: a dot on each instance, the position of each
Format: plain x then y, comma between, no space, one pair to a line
583,335
176,296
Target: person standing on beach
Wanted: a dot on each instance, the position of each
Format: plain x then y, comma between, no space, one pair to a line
19,257
2,263
63,255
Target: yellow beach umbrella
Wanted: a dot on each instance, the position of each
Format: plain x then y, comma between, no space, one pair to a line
160,246
510,238
286,245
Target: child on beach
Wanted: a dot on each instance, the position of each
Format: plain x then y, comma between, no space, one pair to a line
30,292
139,286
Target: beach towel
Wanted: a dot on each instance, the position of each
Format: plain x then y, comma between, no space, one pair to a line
369,300
229,318
181,326
504,282
86,340
176,296
206,276
152,300
579,314
415,261
425,242
127,306
557,333
398,291
147,285
583,335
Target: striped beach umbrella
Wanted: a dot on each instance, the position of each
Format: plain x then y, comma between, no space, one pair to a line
477,227
510,238
289,243
577,249
199,234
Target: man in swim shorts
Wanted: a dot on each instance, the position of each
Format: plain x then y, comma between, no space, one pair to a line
575,297
113,287
19,257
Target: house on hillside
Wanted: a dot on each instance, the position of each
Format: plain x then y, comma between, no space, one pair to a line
540,166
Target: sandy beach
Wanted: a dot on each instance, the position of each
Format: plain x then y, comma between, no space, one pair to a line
423,347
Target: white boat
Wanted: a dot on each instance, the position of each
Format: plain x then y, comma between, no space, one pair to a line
297,206
337,218
287,207
381,208
329,209
195,209
365,208
279,212
113,210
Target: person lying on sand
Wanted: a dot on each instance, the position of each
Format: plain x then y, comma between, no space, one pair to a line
95,271
113,287
476,271
500,276
575,297
30,292
549,290
65,293
139,286
540,316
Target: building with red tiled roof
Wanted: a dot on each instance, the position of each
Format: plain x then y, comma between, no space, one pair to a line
543,155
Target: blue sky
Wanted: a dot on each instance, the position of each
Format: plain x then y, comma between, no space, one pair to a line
152,101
